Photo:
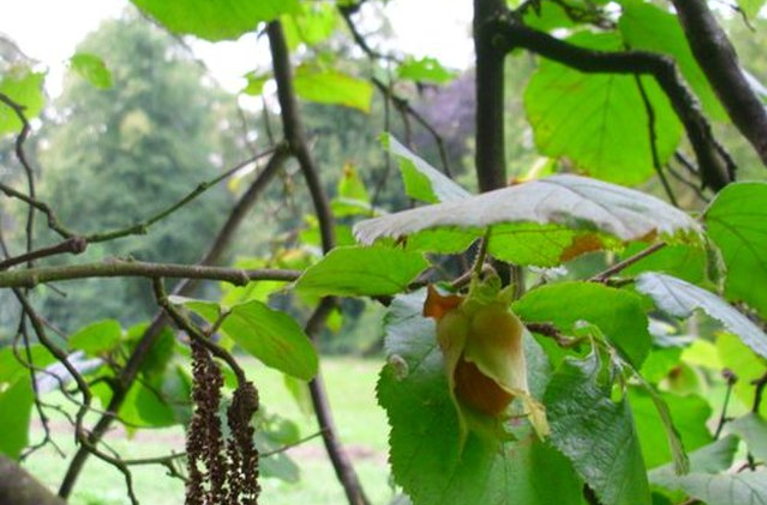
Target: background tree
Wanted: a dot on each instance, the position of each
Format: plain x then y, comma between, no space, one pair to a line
123,153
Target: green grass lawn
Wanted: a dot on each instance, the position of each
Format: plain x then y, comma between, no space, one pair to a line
360,421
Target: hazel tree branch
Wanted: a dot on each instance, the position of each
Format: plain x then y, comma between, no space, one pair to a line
53,221
31,277
717,58
21,155
653,136
294,134
490,155
194,332
142,227
73,245
716,166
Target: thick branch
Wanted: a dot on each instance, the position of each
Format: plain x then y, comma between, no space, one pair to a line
74,245
341,462
490,155
120,268
719,61
18,487
716,167
294,132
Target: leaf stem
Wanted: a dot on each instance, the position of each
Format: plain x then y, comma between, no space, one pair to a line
731,379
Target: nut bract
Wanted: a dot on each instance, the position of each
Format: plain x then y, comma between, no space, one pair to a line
482,344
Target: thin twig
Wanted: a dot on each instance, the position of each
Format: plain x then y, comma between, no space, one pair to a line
653,136
605,275
292,445
194,332
22,157
694,187
142,228
53,221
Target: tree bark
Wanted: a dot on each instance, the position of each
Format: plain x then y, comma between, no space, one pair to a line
18,487
719,61
490,153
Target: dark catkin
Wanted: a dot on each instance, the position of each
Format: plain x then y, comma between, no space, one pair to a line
243,455
220,475
205,444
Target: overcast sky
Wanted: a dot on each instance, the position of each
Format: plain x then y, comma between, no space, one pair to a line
49,30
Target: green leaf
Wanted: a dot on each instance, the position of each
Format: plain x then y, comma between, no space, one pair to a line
176,389
680,299
542,222
145,406
256,290
746,488
225,19
703,353
92,68
712,458
647,27
753,429
596,433
272,434
688,262
547,16
599,121
426,457
10,368
736,356
343,232
737,222
332,87
617,313
255,83
270,335
688,414
659,363
25,88
157,359
422,181
97,337
428,70
16,401
751,7
362,271
311,24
